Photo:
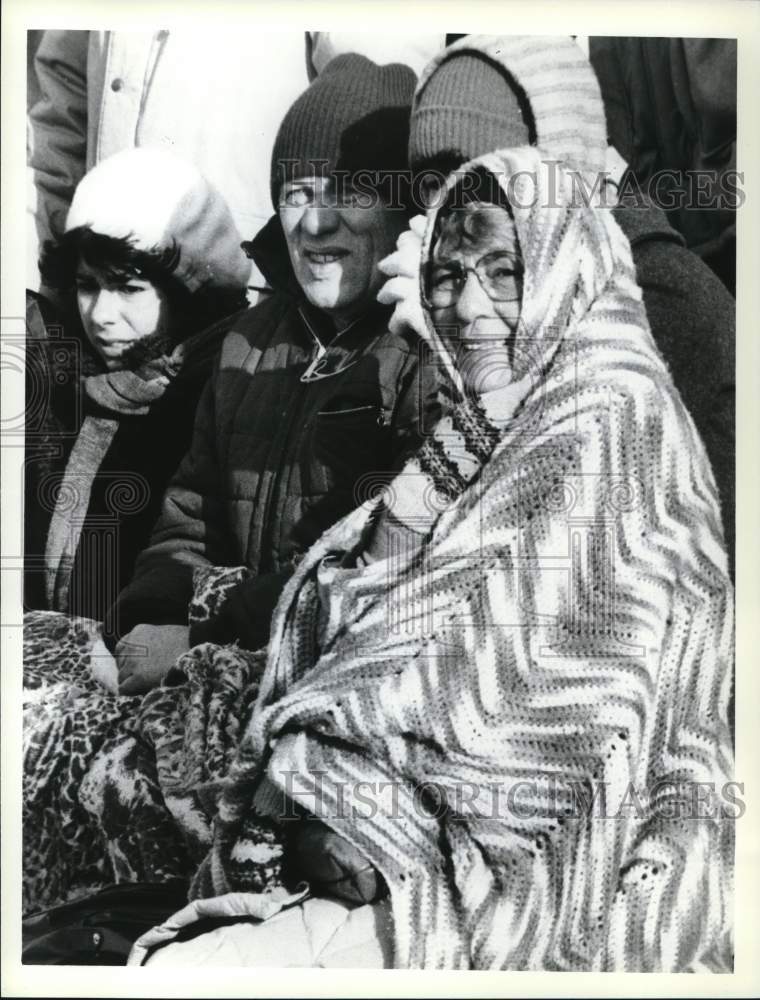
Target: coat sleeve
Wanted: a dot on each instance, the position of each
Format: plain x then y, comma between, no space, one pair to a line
57,129
191,532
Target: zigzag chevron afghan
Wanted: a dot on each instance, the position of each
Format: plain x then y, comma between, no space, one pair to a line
567,626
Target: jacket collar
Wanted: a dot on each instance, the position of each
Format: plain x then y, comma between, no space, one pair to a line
269,252
334,352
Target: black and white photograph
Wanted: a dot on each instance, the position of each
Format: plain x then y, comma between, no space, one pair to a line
372,596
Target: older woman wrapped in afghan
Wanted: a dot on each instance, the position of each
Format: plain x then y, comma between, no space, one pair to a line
504,682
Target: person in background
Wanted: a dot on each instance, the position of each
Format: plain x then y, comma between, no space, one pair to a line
671,114
213,97
475,97
311,391
148,259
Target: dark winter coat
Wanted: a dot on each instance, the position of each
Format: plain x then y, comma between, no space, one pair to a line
276,458
670,105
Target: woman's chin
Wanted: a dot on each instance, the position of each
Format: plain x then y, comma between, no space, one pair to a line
111,363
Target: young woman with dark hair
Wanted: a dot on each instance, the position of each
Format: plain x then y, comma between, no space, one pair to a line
149,259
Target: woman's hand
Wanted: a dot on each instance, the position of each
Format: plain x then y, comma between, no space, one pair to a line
402,289
103,667
146,655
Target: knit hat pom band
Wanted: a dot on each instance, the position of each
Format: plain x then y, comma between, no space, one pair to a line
454,131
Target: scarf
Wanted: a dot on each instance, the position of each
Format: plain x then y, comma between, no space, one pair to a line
109,397
511,722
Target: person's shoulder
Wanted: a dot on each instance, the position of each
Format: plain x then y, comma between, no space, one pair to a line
644,222
665,265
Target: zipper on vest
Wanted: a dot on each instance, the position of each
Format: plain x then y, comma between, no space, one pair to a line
295,412
313,366
286,455
313,372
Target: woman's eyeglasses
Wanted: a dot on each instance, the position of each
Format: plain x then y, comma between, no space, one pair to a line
499,273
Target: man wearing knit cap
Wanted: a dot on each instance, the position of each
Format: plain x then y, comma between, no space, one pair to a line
486,93
343,142
311,393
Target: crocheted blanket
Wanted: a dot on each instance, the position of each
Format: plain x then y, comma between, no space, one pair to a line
523,724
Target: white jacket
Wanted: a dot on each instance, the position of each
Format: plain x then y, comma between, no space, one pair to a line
215,98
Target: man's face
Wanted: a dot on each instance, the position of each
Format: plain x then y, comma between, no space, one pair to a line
335,246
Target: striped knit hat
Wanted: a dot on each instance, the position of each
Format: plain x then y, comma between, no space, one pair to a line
486,93
354,116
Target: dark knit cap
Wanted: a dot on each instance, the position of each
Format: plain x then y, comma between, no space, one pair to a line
469,106
355,116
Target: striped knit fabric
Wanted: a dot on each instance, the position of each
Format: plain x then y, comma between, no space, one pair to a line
558,81
531,699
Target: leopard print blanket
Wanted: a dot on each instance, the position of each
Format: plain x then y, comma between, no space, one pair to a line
122,789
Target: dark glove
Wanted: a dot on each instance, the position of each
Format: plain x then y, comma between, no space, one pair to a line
330,864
